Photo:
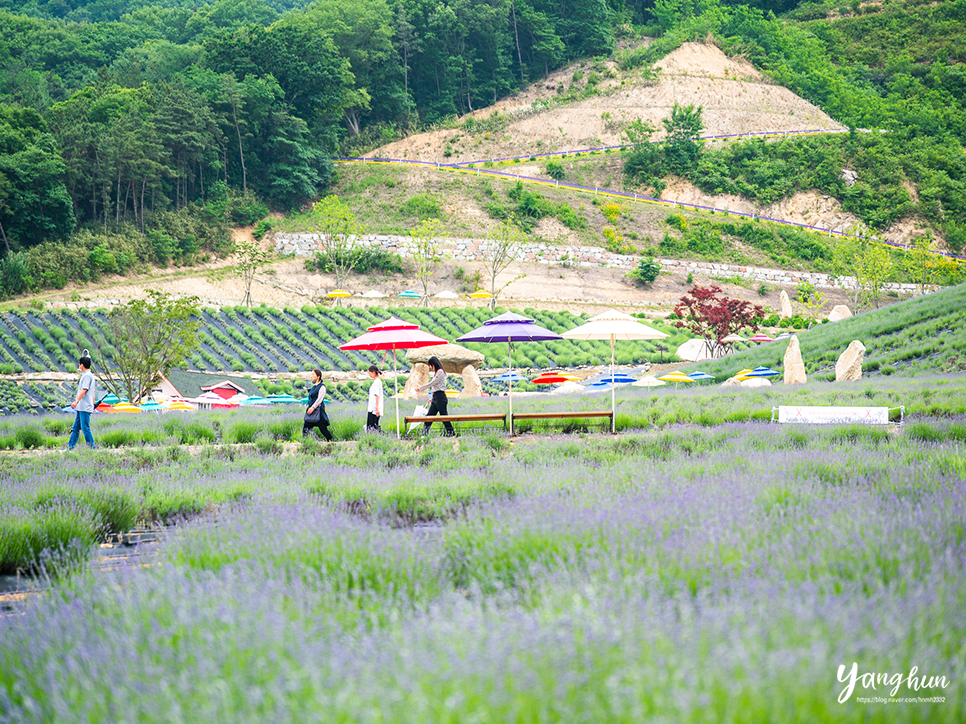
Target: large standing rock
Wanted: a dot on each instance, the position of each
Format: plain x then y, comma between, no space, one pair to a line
453,357
838,313
786,305
849,366
793,365
471,383
418,376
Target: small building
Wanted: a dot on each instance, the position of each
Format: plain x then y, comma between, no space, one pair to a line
181,383
224,389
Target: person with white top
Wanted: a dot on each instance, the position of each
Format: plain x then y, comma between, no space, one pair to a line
376,398
83,404
438,400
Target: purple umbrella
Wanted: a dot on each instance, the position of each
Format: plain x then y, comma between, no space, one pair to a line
509,328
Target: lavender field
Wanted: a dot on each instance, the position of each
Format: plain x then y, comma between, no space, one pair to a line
699,569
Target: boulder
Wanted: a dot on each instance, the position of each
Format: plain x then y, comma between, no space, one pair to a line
748,382
786,305
849,366
471,383
418,376
755,382
838,313
793,365
453,357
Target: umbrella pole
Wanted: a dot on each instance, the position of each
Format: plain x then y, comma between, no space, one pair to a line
509,352
613,391
395,377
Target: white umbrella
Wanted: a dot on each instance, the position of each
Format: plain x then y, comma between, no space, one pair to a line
694,350
613,325
648,381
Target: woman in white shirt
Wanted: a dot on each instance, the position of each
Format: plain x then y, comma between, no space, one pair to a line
376,397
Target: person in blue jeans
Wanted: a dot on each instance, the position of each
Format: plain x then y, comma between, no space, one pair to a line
83,404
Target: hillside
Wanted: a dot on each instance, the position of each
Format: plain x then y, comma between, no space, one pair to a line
586,104
923,335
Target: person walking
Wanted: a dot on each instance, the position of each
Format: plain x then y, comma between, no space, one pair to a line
438,401
83,404
315,413
376,397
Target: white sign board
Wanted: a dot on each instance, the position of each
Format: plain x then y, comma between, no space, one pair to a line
833,415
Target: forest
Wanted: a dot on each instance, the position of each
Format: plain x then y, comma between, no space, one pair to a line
135,132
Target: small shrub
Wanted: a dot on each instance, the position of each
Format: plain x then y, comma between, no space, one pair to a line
243,431
646,271
115,438
423,206
268,446
29,438
346,428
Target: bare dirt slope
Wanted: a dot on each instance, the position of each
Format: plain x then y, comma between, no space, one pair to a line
734,96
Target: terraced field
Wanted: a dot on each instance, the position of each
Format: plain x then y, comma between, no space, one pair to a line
266,340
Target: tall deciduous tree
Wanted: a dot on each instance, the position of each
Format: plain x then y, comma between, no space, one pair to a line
151,337
36,204
681,147
713,316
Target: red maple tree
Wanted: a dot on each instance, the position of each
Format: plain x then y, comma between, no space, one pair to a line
714,317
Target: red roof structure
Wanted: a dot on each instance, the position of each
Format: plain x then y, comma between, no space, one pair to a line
224,389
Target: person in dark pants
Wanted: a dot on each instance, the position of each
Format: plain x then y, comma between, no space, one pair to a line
376,397
316,397
437,388
83,404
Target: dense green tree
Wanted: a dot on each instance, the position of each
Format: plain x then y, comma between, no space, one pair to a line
682,129
36,205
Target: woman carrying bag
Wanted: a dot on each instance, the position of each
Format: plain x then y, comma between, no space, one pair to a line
438,403
315,413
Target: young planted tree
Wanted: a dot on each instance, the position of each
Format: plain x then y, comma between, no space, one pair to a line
920,264
847,261
858,255
505,242
876,270
711,316
339,231
250,257
151,337
427,253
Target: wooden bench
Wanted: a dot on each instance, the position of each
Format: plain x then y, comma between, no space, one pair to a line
489,417
561,415
558,415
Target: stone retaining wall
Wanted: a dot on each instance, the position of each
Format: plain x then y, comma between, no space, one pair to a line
474,250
